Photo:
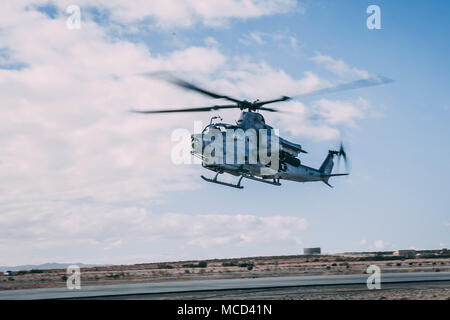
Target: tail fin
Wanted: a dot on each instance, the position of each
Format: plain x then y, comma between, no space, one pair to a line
327,164
326,168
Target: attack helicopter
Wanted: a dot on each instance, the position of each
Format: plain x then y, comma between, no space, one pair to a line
246,160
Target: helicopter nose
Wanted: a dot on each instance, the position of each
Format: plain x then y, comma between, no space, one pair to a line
195,141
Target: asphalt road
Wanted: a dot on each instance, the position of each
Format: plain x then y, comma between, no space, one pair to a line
223,284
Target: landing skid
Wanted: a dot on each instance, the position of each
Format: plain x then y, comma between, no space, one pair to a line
214,180
275,182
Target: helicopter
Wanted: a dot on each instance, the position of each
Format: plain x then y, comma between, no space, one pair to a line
242,143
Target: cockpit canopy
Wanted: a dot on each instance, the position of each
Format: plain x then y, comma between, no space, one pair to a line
251,117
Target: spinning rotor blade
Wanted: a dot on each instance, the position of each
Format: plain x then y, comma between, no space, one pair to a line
362,83
257,105
201,109
188,86
268,109
261,103
341,153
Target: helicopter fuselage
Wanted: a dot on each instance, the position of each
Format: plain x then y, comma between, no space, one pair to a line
238,154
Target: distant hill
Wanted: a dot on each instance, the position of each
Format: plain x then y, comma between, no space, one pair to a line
51,265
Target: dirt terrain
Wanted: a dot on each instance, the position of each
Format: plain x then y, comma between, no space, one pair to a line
390,291
355,263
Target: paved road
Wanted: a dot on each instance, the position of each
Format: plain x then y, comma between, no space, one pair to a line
223,284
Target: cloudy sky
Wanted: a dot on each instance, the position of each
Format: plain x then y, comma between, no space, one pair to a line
83,180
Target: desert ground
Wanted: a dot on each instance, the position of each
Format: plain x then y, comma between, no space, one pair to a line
252,267
390,291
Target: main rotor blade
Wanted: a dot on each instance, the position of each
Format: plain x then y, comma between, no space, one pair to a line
268,109
362,83
188,86
201,109
261,103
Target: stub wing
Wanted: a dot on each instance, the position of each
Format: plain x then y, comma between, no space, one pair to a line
291,148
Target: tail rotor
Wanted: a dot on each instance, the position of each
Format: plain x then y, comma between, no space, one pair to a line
342,154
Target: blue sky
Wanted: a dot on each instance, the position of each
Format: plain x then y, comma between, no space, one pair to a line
399,161
85,181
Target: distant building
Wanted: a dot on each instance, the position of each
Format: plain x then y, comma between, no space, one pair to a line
8,273
311,250
405,253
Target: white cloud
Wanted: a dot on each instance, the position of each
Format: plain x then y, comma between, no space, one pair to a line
378,245
318,120
341,112
186,13
293,41
256,37
211,42
66,131
66,128
339,67
363,242
261,38
72,158
171,13
115,244
94,231
194,59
